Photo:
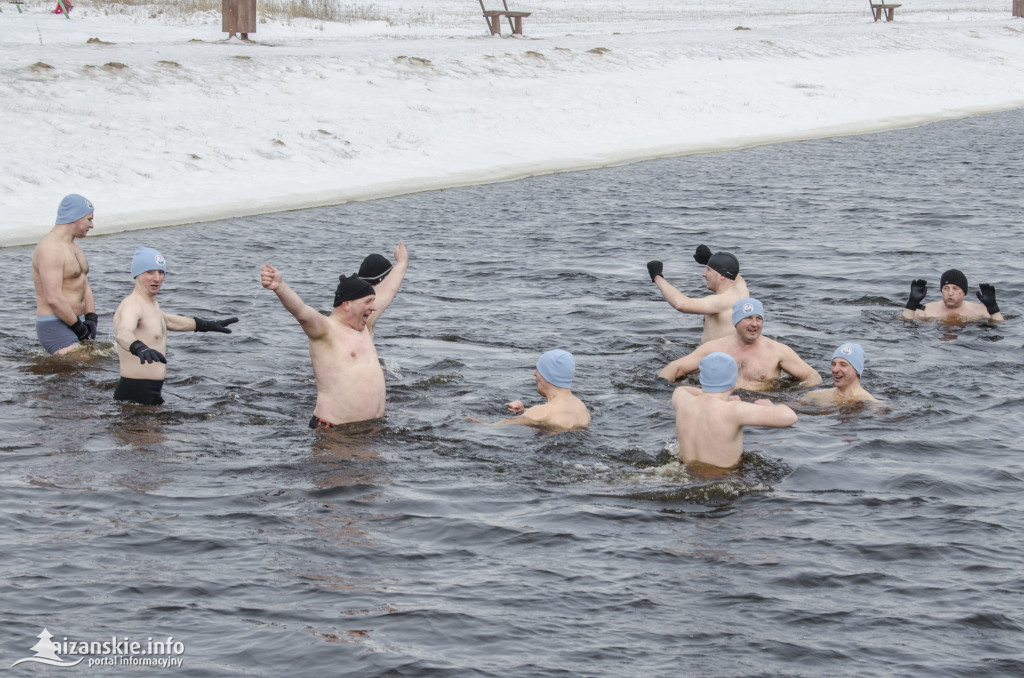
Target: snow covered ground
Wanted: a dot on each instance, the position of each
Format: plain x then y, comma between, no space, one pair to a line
159,120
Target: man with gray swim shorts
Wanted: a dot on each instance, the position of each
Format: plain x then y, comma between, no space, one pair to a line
65,310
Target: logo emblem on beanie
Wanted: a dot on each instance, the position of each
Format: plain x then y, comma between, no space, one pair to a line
748,308
160,261
846,350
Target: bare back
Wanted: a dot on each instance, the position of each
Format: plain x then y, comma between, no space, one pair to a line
349,380
709,426
708,430
564,413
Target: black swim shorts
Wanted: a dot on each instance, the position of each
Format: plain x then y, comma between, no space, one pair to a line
141,391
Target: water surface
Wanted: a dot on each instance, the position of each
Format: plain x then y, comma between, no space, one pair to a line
433,543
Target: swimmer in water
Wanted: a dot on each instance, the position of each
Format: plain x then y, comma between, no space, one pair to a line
562,410
722,273
953,307
761,360
350,383
65,310
140,330
710,420
847,368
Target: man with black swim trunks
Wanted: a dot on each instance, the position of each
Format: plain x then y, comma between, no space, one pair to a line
140,328
350,383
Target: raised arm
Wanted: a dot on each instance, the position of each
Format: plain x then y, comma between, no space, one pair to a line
387,289
987,295
678,300
310,320
914,309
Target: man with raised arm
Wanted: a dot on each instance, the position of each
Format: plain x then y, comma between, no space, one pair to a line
847,367
710,420
761,360
953,307
65,310
561,411
140,330
721,271
349,380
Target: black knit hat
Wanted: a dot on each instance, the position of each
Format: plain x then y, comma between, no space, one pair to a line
954,277
374,268
351,287
725,263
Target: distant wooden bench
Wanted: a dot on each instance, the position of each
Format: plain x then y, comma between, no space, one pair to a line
878,8
493,18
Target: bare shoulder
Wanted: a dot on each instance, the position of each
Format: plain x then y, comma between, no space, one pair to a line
48,247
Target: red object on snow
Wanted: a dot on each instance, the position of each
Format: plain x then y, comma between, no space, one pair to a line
63,7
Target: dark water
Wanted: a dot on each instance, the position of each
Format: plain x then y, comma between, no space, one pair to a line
428,544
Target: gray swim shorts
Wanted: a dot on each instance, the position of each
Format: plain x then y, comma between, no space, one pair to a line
54,334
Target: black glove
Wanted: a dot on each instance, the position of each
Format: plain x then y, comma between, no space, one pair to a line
918,290
987,296
91,321
702,255
654,268
80,329
145,353
214,325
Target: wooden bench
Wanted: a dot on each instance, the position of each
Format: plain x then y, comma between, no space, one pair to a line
493,18
878,8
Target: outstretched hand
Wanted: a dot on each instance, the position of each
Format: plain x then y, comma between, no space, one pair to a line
654,268
918,291
214,325
703,255
987,296
516,407
270,277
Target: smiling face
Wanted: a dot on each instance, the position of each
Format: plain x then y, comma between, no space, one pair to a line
357,312
952,296
150,282
749,329
843,373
